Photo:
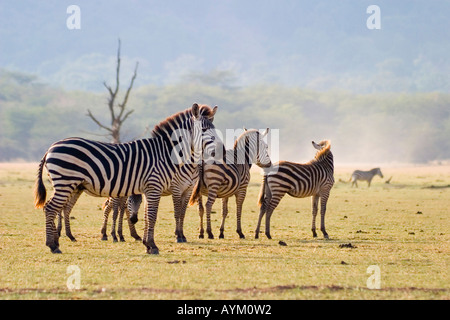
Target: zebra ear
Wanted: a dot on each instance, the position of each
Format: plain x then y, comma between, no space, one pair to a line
213,112
317,146
265,133
195,111
245,129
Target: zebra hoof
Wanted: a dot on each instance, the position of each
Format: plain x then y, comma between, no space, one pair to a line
221,236
201,236
152,251
56,250
104,238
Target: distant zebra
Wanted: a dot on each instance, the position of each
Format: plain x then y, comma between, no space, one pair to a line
313,179
365,176
128,205
230,177
143,166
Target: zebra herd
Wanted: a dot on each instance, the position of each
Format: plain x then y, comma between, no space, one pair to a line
185,158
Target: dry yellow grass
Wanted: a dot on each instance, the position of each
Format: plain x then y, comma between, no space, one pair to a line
401,227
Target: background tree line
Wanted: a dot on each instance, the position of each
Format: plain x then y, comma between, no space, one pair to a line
376,127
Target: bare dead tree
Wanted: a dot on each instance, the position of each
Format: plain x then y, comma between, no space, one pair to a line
117,111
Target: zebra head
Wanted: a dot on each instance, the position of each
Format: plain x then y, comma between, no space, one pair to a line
133,204
378,172
203,135
251,147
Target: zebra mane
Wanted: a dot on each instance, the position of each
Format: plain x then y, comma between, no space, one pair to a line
175,120
321,154
243,135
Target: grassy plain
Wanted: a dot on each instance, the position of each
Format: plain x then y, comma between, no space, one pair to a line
401,227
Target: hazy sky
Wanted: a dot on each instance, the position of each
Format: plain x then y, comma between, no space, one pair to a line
316,44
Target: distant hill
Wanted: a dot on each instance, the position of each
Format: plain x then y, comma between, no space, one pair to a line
373,128
318,45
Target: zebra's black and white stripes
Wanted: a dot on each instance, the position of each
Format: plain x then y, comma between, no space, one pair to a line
313,179
120,206
145,166
230,177
365,176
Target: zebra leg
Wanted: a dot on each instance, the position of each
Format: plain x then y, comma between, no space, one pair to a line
184,203
122,208
240,197
176,198
262,212
107,205
132,227
115,207
275,200
315,205
224,216
153,197
67,210
209,204
52,208
323,209
59,228
201,212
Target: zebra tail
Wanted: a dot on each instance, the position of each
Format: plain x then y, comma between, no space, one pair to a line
197,188
262,192
39,188
195,194
105,204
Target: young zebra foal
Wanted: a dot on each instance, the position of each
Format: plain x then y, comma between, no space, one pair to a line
231,177
313,179
365,175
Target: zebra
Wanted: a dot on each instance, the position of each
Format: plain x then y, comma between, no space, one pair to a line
230,177
313,179
146,166
129,205
365,175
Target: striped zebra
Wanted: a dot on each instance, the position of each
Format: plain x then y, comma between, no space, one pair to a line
128,205
365,176
230,177
313,179
145,166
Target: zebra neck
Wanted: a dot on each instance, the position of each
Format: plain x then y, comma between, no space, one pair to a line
244,155
325,161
